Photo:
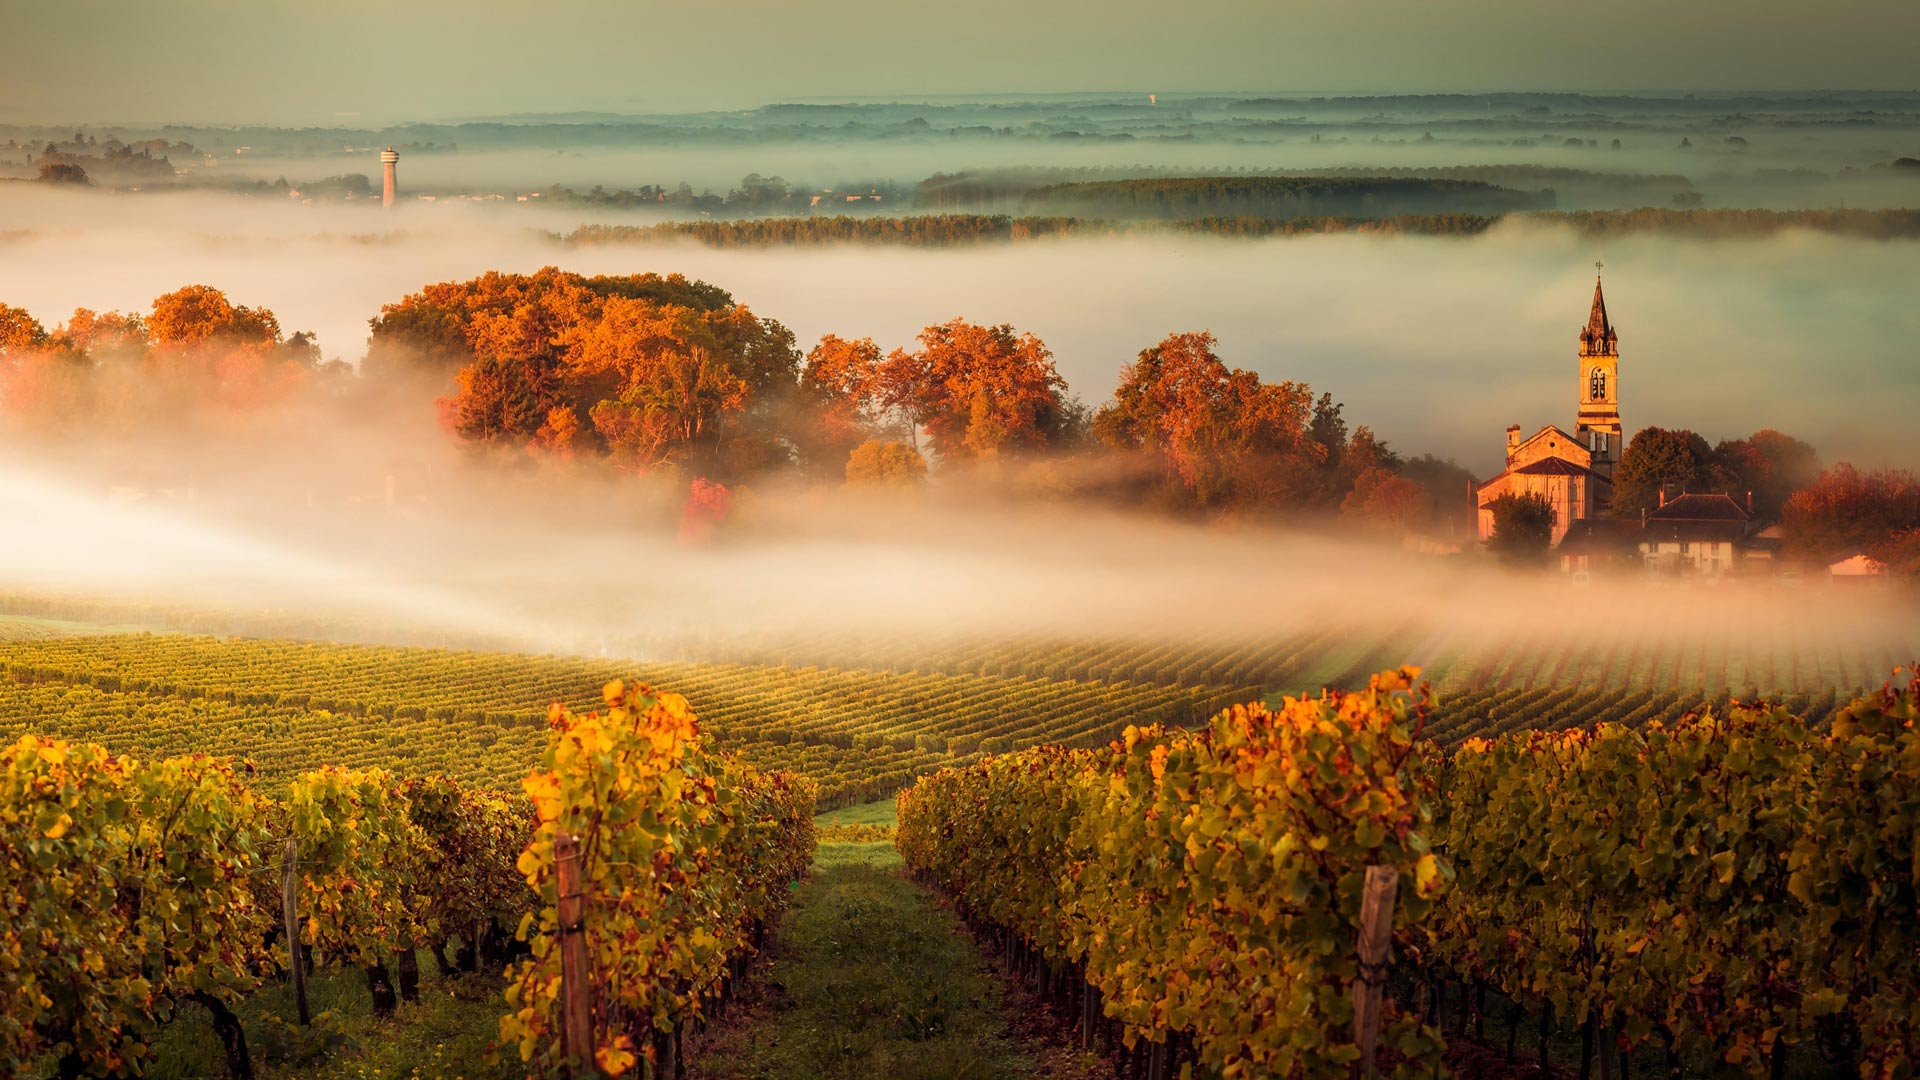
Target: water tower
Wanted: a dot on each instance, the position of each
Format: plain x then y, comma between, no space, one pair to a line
388,159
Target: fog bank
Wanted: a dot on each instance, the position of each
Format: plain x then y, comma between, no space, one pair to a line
1436,343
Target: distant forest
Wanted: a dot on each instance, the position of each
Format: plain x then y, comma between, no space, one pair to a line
941,230
1279,196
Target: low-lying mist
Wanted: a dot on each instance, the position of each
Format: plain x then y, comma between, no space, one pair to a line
448,550
1438,344
373,524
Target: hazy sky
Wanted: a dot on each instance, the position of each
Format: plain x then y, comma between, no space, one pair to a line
277,61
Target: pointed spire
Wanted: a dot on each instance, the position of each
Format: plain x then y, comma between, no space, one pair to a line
1598,336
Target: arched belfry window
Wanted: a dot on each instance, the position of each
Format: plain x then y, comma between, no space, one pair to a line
1597,385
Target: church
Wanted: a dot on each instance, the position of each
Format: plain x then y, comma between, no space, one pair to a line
1573,471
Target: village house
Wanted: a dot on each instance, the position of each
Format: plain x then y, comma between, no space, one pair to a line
1694,534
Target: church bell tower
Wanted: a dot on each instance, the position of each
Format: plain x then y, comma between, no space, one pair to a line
1598,423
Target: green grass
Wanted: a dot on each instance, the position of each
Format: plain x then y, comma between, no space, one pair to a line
443,1036
869,978
878,812
35,627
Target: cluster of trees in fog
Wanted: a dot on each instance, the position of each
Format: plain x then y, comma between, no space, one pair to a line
1767,465
1846,510
85,156
671,376
194,357
649,372
1824,514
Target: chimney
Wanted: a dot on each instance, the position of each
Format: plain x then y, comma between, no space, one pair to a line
1663,494
1513,438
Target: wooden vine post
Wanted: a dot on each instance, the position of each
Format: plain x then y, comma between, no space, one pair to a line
576,990
290,913
1376,934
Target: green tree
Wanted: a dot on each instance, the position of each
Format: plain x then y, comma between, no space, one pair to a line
1522,529
1449,486
1671,459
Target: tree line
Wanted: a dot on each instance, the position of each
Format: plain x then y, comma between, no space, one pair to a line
670,375
647,373
1280,197
194,356
941,230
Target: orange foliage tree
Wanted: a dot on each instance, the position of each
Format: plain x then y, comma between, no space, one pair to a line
651,370
1219,435
195,357
978,391
19,330
840,399
1846,511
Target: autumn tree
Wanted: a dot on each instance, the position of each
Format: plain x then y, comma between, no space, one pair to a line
64,172
561,435
1768,465
885,464
1218,434
1388,502
978,391
1660,459
20,331
686,385
41,384
1900,554
1522,528
201,314
652,370
1846,510
838,405
428,334
207,350
107,335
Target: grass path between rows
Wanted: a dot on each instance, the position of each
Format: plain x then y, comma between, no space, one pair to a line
870,977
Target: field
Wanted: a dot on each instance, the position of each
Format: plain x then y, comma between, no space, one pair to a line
862,717
479,717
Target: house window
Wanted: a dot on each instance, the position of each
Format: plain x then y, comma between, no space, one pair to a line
1685,547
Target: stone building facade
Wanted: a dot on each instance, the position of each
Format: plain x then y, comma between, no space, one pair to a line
1574,472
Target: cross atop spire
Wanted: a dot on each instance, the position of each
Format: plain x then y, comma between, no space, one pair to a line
1598,338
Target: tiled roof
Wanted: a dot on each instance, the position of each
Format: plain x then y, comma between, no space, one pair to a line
1599,536
1700,508
1559,467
